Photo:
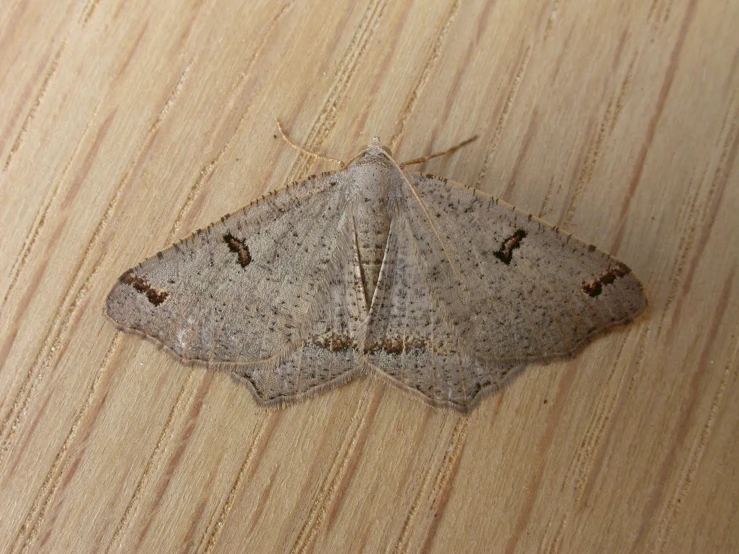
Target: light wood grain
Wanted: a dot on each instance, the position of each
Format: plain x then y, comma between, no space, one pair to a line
127,125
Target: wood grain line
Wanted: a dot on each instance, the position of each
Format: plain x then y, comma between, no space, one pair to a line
11,19
35,105
11,120
61,322
545,208
686,414
659,13
260,431
431,61
334,508
653,12
551,19
640,357
693,461
264,498
88,11
591,160
207,170
360,422
492,145
598,436
439,497
599,420
151,464
162,485
116,79
687,254
523,150
35,375
654,120
711,205
162,115
173,95
27,533
327,116
691,216
401,545
532,488
44,356
38,224
623,93
687,222
605,127
463,62
555,544
195,517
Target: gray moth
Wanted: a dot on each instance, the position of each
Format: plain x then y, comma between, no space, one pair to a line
438,287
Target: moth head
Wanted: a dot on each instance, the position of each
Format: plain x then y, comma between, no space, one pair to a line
376,143
376,147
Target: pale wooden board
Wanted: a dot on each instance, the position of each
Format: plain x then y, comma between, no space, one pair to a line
126,125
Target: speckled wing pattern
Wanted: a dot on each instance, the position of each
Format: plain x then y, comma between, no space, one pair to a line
473,290
259,308
307,288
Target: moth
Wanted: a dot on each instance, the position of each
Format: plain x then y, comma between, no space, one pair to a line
438,287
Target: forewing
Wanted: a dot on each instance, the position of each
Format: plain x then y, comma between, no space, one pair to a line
511,287
248,288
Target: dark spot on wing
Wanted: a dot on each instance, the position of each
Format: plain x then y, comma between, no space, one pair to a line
142,286
397,345
239,247
505,254
335,342
595,286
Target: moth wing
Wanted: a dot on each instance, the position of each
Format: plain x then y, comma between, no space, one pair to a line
512,287
251,290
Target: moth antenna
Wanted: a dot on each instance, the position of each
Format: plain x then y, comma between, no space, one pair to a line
303,150
437,154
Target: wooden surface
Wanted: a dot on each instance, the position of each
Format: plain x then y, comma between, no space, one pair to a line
127,125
